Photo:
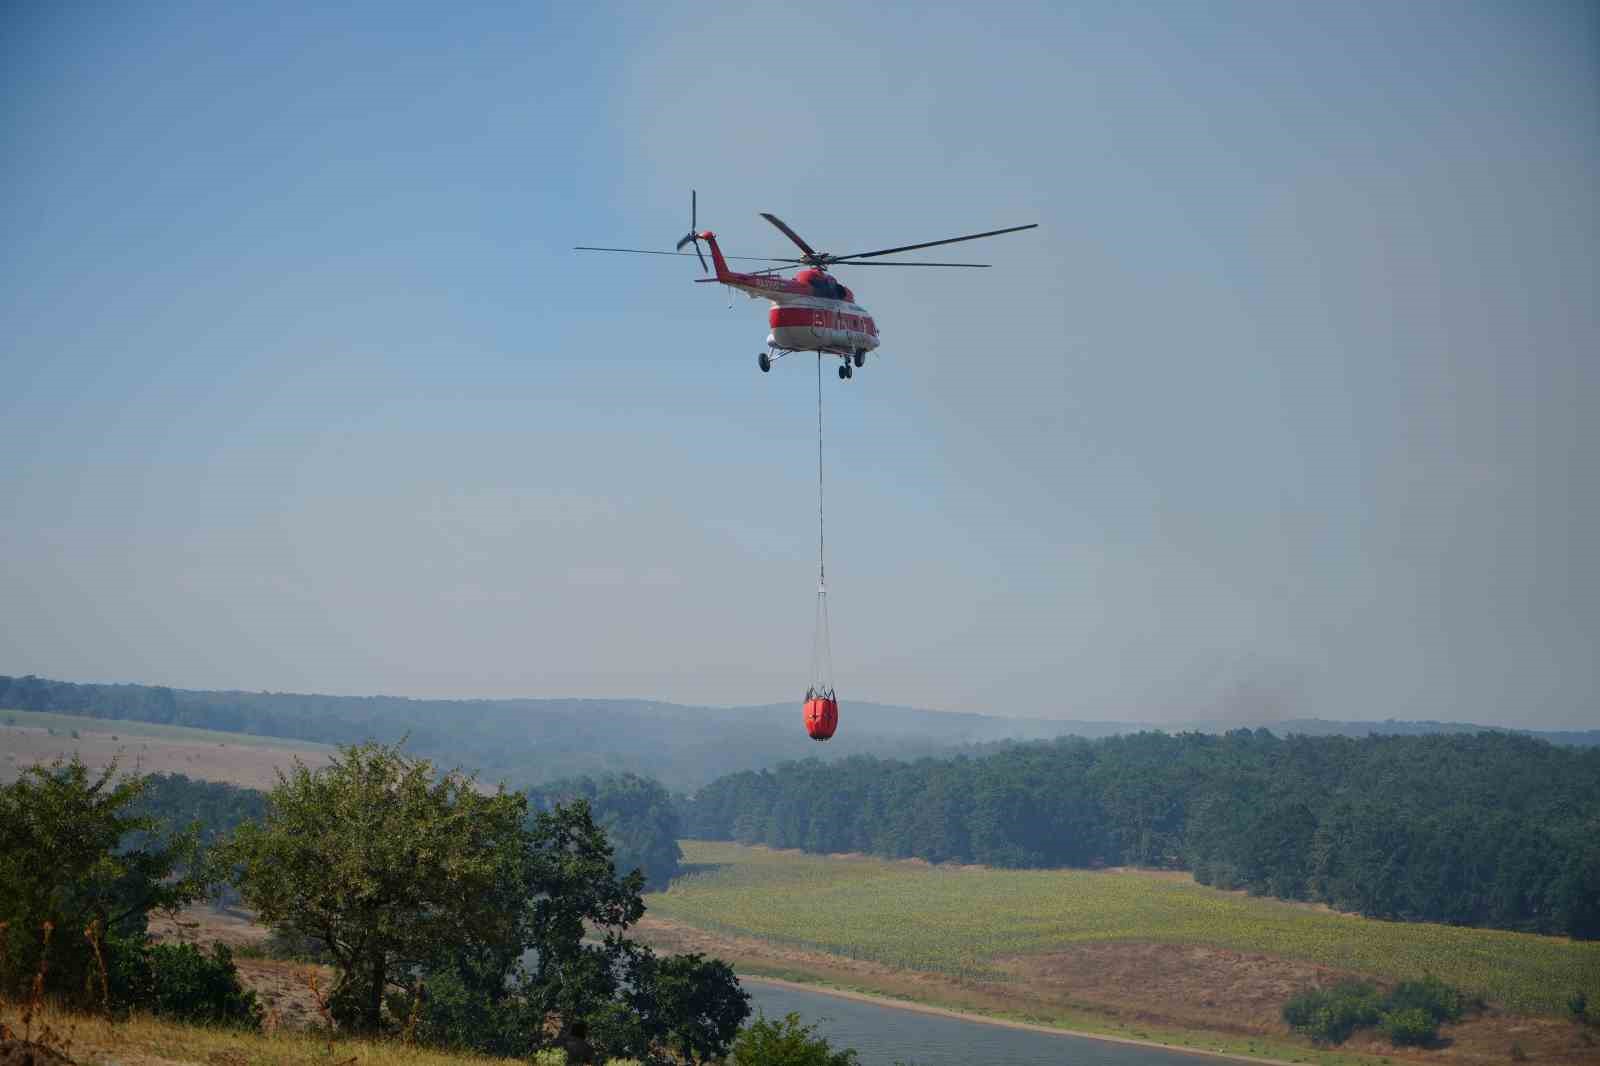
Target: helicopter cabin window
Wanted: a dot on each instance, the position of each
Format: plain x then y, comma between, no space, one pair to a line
828,288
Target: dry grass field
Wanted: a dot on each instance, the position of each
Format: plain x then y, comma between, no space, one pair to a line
27,738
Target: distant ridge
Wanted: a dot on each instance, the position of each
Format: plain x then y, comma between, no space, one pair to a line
523,741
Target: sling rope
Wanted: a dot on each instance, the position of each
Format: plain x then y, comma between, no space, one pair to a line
821,652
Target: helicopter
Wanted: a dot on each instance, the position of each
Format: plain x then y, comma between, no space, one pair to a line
811,311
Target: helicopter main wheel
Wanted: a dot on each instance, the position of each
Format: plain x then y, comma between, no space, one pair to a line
861,358
844,372
764,361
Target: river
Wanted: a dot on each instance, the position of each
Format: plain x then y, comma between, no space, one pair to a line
886,1035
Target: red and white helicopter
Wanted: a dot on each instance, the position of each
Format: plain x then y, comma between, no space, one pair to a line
812,311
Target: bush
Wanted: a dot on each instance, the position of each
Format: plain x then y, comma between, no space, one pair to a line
457,1017
1437,1000
195,988
1578,1006
1410,1026
1409,1015
180,981
1330,1015
786,1043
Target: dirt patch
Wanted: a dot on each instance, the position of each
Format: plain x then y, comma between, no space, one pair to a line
284,989
204,926
1192,986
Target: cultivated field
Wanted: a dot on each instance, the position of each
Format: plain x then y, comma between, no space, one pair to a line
28,737
996,927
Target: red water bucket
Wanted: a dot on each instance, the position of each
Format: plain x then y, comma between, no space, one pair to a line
822,717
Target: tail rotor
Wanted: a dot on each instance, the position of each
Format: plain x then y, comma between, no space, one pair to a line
693,236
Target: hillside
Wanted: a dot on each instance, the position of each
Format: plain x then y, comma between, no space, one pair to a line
29,737
1122,951
532,740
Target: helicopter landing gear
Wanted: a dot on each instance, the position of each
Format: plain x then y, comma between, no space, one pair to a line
764,361
860,357
845,373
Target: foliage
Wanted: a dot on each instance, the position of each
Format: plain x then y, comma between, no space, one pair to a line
1411,1026
1439,1001
638,815
214,809
400,873
954,921
787,1042
695,1005
1410,1014
180,981
1489,830
390,867
63,861
453,1015
1330,1015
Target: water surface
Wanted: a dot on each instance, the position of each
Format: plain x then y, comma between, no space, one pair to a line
885,1035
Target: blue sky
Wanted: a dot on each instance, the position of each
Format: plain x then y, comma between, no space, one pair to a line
1287,408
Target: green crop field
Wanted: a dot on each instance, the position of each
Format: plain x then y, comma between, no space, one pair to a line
66,723
958,920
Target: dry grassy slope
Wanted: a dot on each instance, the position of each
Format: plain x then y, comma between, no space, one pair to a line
234,758
143,1041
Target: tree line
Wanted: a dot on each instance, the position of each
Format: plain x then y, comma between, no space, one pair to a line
1489,830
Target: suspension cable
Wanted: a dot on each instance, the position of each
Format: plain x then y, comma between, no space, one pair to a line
822,570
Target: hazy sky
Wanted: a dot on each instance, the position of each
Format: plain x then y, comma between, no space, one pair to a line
1289,406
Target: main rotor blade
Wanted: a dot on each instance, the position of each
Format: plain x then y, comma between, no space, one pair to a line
908,263
791,234
926,244
647,251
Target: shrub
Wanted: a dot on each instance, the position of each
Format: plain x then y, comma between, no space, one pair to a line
1411,1026
1330,1015
786,1043
455,1016
1409,1015
189,985
1578,1005
1430,995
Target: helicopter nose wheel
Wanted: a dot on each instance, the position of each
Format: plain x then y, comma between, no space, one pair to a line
764,361
861,358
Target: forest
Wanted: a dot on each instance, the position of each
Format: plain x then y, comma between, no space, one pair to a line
1488,830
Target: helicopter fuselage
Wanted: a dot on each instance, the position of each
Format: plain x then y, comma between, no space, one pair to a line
811,312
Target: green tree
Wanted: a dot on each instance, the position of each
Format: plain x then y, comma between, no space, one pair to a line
640,821
786,1043
693,1005
63,860
393,868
